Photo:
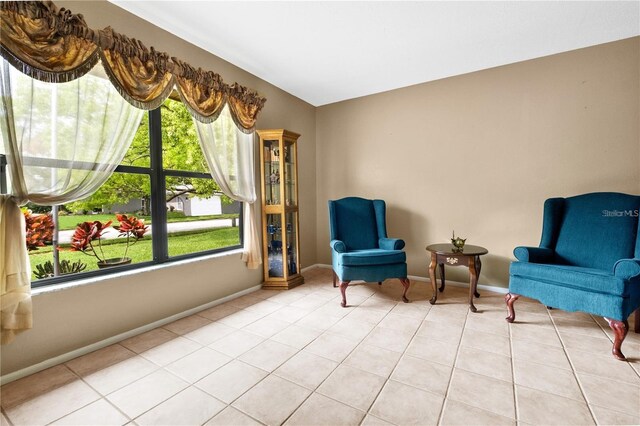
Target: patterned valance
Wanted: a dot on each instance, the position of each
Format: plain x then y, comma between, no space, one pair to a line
54,45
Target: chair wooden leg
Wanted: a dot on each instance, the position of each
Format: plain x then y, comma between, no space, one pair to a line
405,283
620,330
343,290
379,282
335,277
510,299
636,321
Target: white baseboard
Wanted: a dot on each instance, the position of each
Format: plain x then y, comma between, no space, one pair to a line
501,290
316,265
115,339
497,289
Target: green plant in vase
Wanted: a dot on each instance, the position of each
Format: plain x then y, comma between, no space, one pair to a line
132,228
457,242
87,233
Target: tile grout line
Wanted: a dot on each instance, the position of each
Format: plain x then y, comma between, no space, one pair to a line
573,369
78,377
608,337
298,351
325,379
104,397
159,368
453,368
193,385
396,365
269,373
513,374
162,368
360,344
340,363
366,412
513,361
6,416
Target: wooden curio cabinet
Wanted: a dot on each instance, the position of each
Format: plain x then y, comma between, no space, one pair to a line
280,231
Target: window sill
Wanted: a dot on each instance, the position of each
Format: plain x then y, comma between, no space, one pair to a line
94,280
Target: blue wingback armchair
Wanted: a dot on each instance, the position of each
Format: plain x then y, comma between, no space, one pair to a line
588,260
360,249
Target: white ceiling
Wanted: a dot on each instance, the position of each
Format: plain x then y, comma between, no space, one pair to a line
325,52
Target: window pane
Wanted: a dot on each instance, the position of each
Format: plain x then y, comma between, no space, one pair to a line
180,145
121,193
199,217
139,153
100,207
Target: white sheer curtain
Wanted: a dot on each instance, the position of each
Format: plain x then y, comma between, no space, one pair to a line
230,156
62,141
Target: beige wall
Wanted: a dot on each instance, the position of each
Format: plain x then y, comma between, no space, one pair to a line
76,317
480,153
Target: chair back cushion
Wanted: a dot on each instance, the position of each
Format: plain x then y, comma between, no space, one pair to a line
597,230
353,221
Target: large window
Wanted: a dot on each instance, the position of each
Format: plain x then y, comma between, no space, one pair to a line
163,180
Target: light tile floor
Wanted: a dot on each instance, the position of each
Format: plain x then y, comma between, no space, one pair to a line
298,358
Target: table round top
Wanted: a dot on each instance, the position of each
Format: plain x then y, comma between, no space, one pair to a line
449,249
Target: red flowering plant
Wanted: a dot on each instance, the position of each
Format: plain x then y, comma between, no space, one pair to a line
130,227
39,229
85,234
88,232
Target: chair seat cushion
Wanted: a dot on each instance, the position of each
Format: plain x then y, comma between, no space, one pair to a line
372,257
595,280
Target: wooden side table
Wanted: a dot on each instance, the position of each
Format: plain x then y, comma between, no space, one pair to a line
447,254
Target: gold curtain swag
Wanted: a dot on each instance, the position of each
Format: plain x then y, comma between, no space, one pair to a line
56,46
204,93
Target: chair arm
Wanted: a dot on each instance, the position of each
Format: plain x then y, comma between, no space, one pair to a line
338,246
533,254
391,243
627,268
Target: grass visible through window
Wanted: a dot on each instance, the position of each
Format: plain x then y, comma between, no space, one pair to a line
182,243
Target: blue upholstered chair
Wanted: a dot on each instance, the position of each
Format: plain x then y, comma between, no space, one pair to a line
588,260
360,249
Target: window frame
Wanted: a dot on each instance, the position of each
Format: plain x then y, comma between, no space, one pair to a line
159,242
3,174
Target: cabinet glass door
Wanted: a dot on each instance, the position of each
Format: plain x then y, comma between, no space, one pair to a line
272,172
292,243
290,174
275,254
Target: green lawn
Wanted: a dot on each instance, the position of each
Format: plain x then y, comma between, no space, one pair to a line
67,222
192,241
179,243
